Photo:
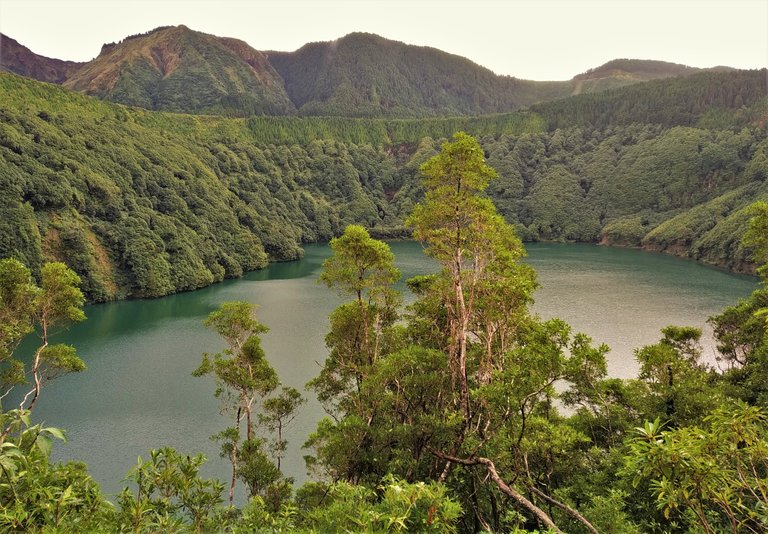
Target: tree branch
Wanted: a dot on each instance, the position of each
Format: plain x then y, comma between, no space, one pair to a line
540,514
570,511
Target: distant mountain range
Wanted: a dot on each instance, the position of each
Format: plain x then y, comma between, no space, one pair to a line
177,69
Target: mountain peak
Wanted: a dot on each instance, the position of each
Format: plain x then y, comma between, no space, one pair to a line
175,68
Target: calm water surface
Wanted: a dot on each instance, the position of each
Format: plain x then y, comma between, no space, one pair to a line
138,392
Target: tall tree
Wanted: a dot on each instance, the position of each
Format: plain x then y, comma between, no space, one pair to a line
242,373
364,268
475,247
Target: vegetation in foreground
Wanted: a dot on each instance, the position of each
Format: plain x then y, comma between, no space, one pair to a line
443,417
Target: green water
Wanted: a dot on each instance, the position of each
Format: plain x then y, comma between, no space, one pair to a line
138,392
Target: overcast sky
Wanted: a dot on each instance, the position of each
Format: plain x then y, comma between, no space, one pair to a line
538,40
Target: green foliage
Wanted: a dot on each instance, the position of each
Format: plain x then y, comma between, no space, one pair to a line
477,381
713,476
360,331
177,69
244,382
673,101
400,507
37,496
359,265
682,388
142,204
243,376
757,236
168,491
279,412
18,296
364,75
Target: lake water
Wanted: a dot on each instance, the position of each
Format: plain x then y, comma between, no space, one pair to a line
138,392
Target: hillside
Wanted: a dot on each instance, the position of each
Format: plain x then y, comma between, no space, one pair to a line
145,203
722,97
366,75
178,69
20,60
623,72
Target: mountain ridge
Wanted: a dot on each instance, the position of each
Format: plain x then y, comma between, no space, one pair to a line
18,59
358,75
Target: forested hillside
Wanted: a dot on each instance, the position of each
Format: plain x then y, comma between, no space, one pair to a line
461,412
140,211
364,75
710,99
144,204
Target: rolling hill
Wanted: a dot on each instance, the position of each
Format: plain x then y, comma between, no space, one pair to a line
367,76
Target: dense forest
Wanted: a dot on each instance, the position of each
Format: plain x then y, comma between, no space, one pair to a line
142,204
460,412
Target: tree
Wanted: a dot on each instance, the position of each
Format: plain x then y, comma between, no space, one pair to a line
474,245
168,486
363,267
243,377
681,388
742,330
242,373
37,495
24,307
279,412
468,379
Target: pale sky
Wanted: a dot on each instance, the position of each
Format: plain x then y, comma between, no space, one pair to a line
536,40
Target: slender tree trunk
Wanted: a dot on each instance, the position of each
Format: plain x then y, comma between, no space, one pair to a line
36,370
364,317
462,346
279,441
233,458
233,455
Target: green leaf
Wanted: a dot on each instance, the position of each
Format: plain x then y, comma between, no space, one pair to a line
45,444
56,433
